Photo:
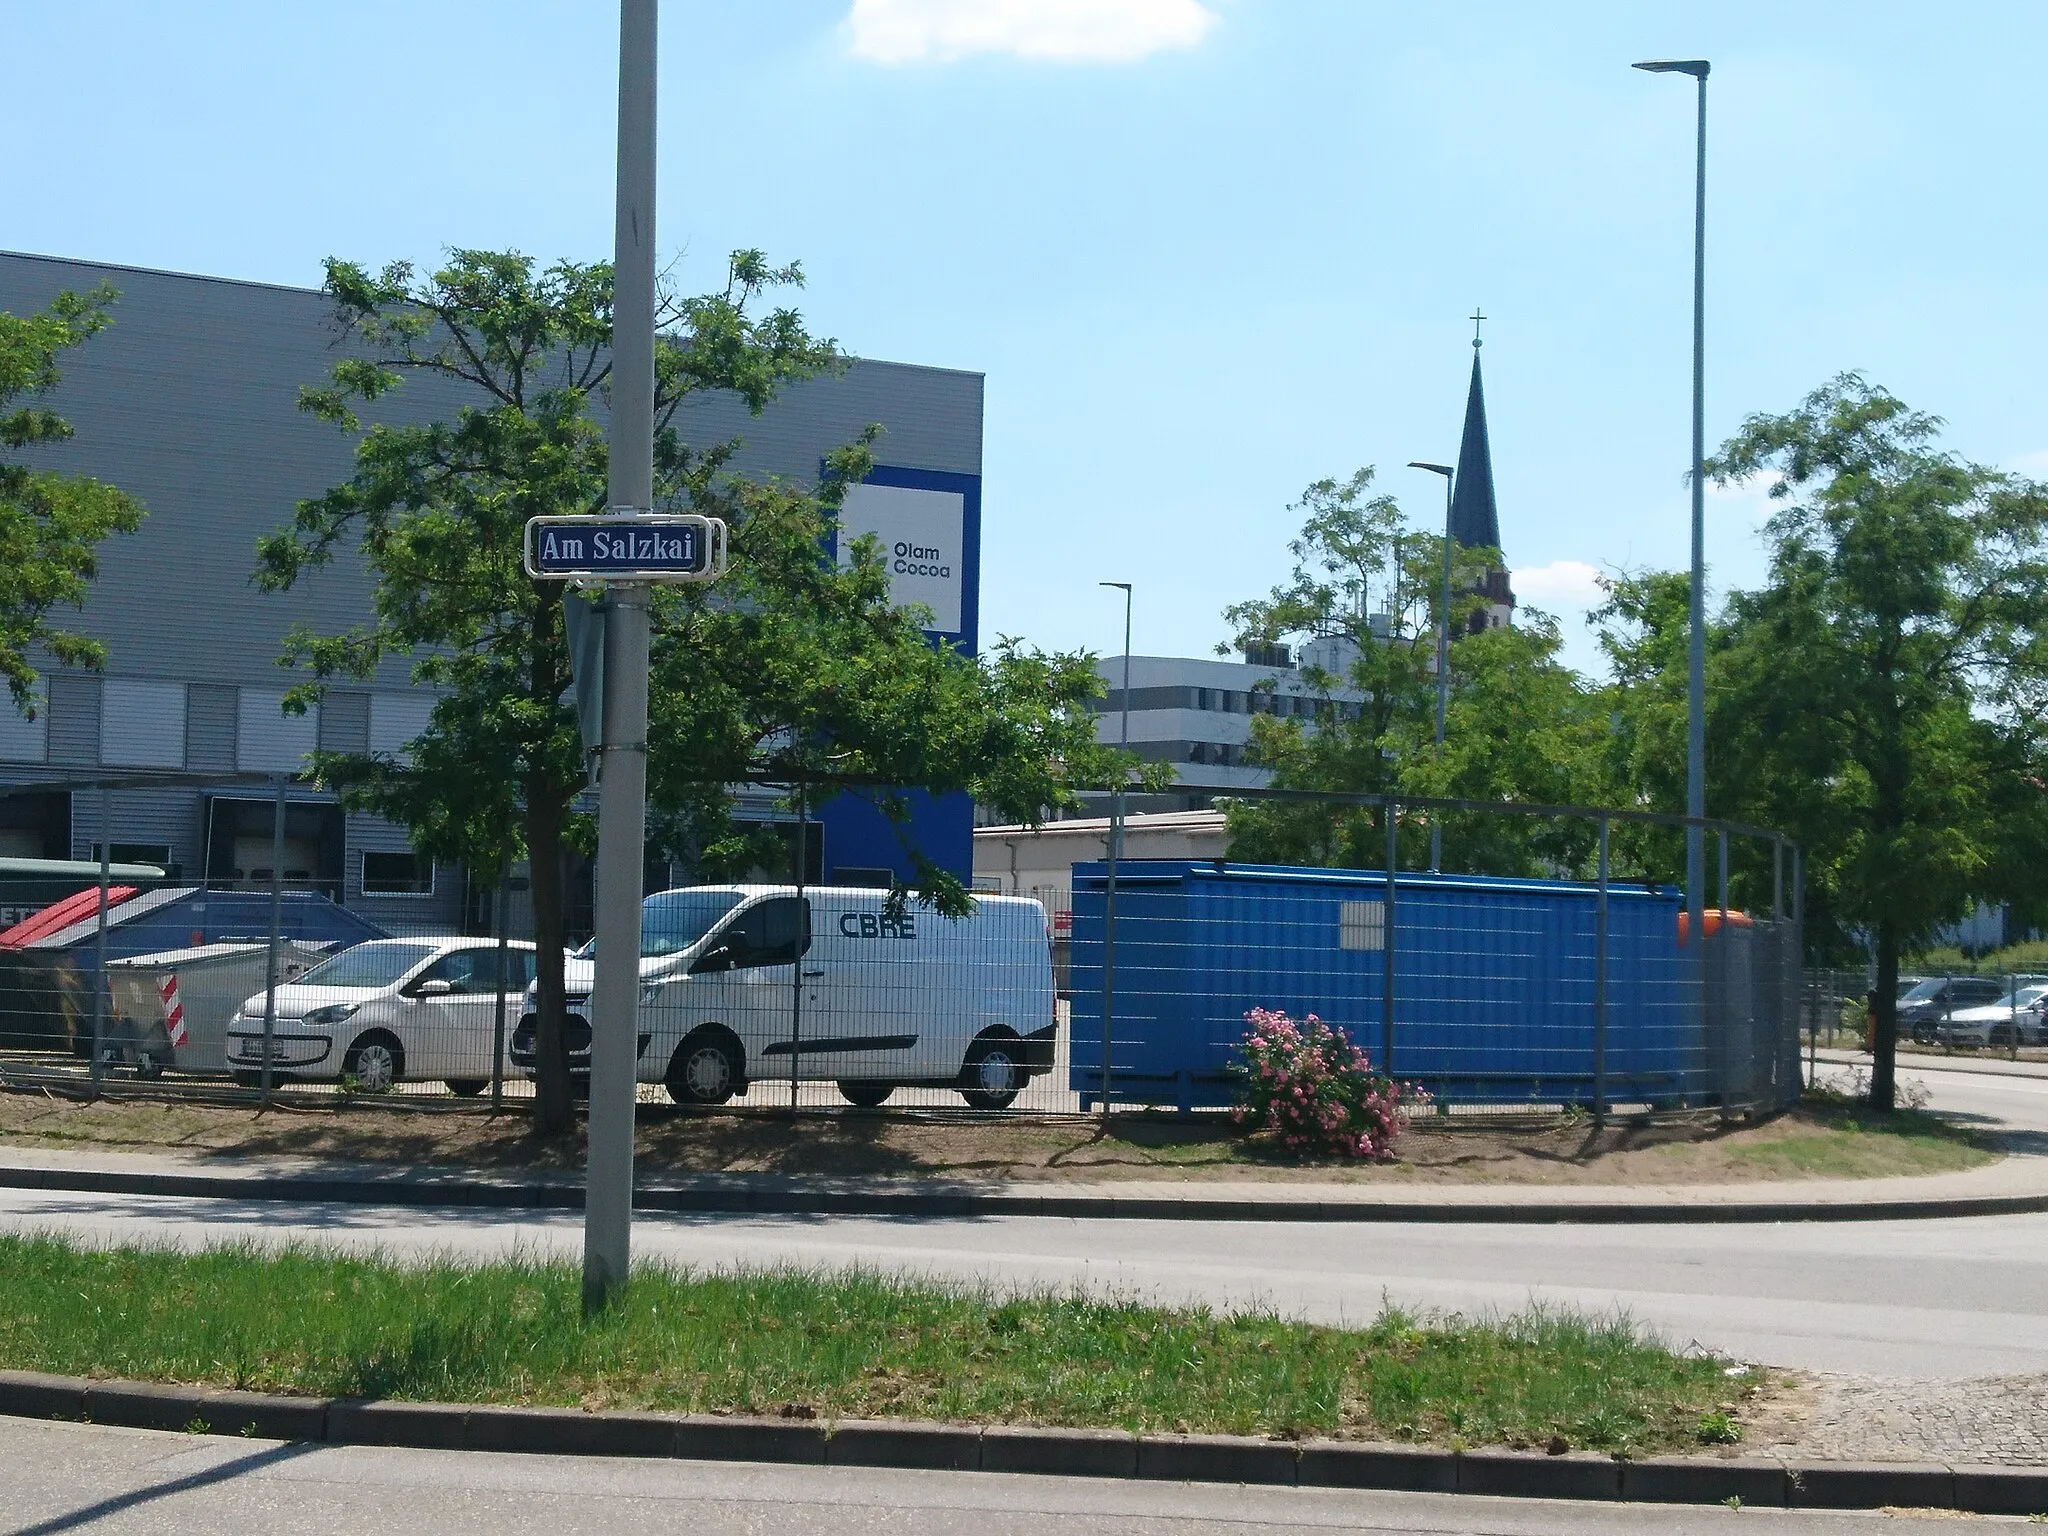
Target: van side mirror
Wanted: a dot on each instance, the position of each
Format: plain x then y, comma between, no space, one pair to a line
434,986
719,957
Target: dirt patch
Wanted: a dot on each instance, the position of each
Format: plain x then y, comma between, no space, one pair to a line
1821,1141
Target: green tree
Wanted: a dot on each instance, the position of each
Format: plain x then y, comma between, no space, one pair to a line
51,524
791,667
438,510
1879,697
1361,602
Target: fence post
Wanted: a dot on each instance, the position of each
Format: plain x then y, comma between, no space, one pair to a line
504,980
2012,1008
1116,837
1600,988
276,931
803,917
1722,835
1393,858
99,995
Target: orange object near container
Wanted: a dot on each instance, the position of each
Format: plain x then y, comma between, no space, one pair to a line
1711,921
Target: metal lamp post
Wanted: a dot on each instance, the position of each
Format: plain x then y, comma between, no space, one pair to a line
1696,683
622,790
1116,842
1443,653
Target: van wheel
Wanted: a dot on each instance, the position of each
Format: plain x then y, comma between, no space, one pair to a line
866,1095
376,1062
706,1068
466,1087
993,1073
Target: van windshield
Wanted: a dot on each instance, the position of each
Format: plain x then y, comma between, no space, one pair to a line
671,921
375,964
1926,989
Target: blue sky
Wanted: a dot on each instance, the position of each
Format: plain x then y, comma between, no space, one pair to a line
1206,251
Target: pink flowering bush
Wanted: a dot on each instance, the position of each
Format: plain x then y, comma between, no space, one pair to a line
1316,1091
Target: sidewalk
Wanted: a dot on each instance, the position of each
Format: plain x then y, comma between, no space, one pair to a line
1980,1063
2013,1185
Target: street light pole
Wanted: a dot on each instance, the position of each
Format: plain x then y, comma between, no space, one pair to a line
622,783
1696,681
1116,847
1443,655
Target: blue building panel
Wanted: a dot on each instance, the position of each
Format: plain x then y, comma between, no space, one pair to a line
1494,980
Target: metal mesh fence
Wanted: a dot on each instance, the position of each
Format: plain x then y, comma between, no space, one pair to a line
1570,987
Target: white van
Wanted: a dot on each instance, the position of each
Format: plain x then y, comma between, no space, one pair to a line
736,981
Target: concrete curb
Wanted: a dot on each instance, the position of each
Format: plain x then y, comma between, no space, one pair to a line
1006,1448
930,1204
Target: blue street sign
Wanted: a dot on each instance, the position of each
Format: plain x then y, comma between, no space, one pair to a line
630,546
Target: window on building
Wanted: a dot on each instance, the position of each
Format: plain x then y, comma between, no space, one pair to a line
397,874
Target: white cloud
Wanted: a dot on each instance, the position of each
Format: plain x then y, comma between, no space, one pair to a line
1064,31
1562,584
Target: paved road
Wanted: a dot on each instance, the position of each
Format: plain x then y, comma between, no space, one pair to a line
1931,1300
66,1477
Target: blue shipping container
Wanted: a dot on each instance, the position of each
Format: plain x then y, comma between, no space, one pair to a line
1494,981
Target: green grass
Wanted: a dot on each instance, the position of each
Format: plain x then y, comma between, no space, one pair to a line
846,1345
1855,1142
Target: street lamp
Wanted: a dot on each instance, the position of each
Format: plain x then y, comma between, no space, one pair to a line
1116,839
1443,654
1696,683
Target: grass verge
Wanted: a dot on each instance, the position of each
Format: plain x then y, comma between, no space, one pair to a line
854,1345
1852,1142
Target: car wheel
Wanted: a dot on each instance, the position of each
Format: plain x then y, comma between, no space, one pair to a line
467,1087
865,1095
376,1062
706,1069
994,1073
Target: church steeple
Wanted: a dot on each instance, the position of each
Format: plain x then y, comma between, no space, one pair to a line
1474,521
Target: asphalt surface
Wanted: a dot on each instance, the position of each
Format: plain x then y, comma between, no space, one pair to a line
68,1477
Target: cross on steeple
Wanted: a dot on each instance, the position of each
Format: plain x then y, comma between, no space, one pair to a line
1477,317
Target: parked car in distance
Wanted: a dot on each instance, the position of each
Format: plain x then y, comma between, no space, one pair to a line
886,999
388,1011
1993,1023
1922,1010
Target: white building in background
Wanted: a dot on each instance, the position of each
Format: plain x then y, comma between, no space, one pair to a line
1196,713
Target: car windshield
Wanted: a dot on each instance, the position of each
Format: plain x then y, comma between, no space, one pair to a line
375,964
671,921
2026,997
1925,990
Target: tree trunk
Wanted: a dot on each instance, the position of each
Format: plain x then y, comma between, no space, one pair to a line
1884,1032
552,1107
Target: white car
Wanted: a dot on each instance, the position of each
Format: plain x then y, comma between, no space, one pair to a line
1992,1024
385,1012
740,983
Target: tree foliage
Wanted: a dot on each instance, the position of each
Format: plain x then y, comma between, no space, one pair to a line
791,668
51,524
1880,696
1361,607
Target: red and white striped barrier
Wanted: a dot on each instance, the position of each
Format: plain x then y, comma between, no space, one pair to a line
174,1011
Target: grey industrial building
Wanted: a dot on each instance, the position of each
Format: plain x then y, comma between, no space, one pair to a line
189,401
